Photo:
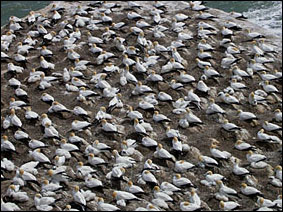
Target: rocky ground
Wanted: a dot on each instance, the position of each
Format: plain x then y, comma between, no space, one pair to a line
197,137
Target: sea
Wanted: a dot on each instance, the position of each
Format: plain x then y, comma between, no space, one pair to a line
267,14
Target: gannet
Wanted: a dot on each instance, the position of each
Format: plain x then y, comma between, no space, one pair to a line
248,190
9,206
269,88
78,196
204,33
243,146
16,104
262,202
19,196
182,166
170,133
95,160
229,126
228,99
246,116
186,78
106,206
251,157
237,170
14,83
148,177
169,188
116,173
108,127
128,61
177,26
266,47
229,60
256,50
204,55
180,181
123,160
278,172
139,128
145,105
214,108
83,170
216,153
46,65
229,205
43,202
50,131
14,119
149,165
210,72
160,117
212,178
225,189
184,36
256,67
38,156
62,152
133,188
14,26
191,118
161,195
34,144
148,142
79,125
20,135
153,77
187,206
57,107
14,68
7,164
67,146
278,115
21,94
237,85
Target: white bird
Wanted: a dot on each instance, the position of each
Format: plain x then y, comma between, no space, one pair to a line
106,206
14,119
133,188
237,170
163,153
180,181
83,170
149,142
216,153
38,156
182,166
278,172
246,116
161,195
78,196
242,146
123,195
187,206
248,190
123,160
148,177
229,205
229,126
7,145
278,115
252,157
214,108
157,117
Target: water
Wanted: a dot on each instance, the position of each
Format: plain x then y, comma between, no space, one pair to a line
264,13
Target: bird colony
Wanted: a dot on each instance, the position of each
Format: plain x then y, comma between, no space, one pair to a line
145,106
